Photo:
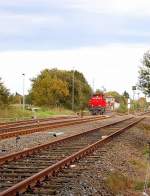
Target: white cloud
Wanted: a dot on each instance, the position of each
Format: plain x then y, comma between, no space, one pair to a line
129,32
133,7
12,23
113,66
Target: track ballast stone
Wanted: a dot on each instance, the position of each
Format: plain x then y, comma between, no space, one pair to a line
119,168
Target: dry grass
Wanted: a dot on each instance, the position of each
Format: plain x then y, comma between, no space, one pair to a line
13,113
139,185
118,182
139,164
144,126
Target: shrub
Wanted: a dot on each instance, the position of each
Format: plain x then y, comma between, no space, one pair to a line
122,108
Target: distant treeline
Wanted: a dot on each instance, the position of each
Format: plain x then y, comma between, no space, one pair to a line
51,88
4,95
55,88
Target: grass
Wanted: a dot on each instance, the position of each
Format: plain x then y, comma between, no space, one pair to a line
144,126
139,164
45,112
122,109
139,185
15,112
146,151
118,182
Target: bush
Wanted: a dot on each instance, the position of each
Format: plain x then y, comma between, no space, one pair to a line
122,108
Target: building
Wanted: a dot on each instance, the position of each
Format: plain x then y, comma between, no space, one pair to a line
111,103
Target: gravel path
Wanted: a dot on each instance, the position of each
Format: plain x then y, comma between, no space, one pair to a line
26,141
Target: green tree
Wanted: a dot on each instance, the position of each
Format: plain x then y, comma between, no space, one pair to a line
54,87
28,99
126,94
82,90
4,95
144,74
15,98
48,90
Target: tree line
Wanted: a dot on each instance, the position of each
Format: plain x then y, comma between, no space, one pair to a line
53,87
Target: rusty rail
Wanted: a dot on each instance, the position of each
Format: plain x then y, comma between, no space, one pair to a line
52,170
47,127
33,150
30,121
42,123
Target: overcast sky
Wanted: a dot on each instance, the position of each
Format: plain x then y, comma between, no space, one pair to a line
104,39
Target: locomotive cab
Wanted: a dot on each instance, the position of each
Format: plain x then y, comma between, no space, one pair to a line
97,104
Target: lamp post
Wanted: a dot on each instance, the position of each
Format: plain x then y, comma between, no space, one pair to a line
73,90
23,106
133,89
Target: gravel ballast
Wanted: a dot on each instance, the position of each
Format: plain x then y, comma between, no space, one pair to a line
16,144
119,168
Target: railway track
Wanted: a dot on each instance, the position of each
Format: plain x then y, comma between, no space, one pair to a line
20,171
28,129
27,122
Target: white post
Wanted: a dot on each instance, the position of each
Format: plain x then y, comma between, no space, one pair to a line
129,106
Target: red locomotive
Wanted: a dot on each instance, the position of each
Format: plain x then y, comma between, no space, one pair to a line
97,104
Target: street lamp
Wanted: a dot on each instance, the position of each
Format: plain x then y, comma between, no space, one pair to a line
133,89
73,90
23,106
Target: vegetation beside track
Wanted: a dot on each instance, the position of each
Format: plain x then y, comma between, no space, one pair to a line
15,112
45,112
121,181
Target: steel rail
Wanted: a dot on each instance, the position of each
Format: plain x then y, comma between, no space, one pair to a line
23,122
36,124
33,150
47,127
55,168
44,123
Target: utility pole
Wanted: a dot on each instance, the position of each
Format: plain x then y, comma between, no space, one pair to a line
73,90
93,83
23,106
